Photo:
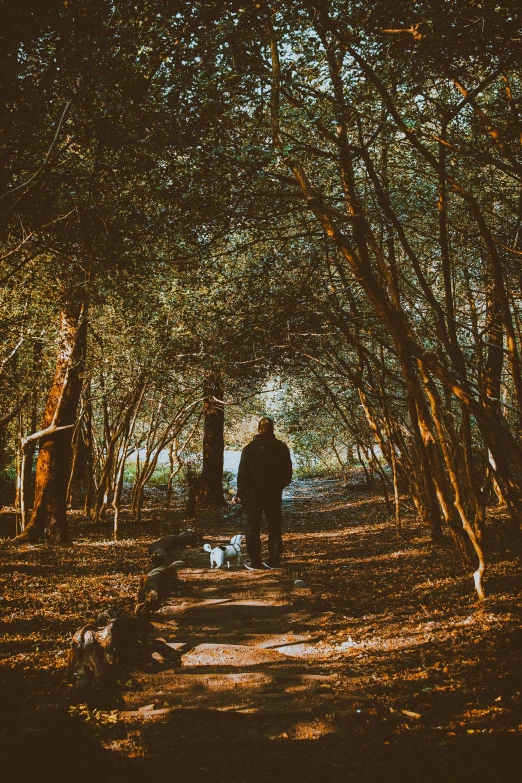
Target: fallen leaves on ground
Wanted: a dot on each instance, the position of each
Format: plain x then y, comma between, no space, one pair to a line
397,614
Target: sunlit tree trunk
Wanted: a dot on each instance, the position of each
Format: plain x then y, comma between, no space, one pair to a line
31,447
173,451
49,515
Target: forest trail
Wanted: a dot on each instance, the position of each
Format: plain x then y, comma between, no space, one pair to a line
243,647
237,664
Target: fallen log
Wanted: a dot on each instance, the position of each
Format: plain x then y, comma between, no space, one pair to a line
162,549
88,670
95,659
117,635
155,586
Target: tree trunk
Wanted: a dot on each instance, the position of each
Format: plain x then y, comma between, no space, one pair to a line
27,478
78,457
192,481
172,450
211,484
366,474
118,486
87,435
49,515
395,471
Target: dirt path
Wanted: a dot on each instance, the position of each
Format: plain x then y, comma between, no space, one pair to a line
236,667
243,647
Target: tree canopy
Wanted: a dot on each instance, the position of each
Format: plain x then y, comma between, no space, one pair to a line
327,195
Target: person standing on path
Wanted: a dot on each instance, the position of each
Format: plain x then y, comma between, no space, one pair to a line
264,470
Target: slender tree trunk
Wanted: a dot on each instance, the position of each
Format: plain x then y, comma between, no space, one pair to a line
430,482
108,480
193,483
211,484
136,485
77,455
2,462
49,515
20,506
366,474
118,484
341,463
395,471
89,457
138,490
461,490
30,451
173,471
104,488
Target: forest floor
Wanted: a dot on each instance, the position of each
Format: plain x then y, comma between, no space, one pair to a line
383,667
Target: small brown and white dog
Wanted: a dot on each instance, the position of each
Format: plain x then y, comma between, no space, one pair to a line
219,555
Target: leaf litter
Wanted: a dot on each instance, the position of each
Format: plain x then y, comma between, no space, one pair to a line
397,615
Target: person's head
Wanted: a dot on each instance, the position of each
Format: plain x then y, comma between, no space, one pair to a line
266,426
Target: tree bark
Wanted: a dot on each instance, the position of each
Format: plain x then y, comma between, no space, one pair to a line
173,450
78,461
27,476
49,515
87,435
211,484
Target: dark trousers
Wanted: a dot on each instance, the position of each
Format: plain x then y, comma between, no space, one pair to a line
273,515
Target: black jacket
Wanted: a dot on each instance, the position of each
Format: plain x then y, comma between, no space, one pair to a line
264,470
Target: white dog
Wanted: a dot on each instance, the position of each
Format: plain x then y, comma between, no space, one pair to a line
219,555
